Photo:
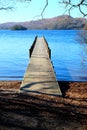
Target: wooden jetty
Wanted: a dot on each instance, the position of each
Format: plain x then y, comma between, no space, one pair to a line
39,76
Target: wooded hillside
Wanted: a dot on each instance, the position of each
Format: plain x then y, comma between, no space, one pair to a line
61,22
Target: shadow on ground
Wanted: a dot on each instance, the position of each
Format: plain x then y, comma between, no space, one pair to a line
40,112
64,86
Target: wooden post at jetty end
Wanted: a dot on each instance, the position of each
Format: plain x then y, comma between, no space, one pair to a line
39,76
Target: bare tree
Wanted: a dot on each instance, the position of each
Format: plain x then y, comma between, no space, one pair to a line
9,4
81,5
69,5
82,39
5,5
83,44
44,8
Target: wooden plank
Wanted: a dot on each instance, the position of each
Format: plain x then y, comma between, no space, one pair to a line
39,76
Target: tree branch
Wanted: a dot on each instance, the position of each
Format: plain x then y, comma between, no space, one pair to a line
6,8
44,8
70,5
9,4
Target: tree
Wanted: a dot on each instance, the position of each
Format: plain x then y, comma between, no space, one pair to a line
18,27
72,4
81,5
85,27
82,39
9,4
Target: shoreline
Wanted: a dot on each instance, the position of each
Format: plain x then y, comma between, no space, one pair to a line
65,86
69,89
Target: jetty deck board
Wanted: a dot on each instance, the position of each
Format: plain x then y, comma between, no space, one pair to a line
39,76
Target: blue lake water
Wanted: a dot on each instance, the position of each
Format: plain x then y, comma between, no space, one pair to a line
67,54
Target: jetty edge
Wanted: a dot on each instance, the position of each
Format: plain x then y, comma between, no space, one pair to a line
40,77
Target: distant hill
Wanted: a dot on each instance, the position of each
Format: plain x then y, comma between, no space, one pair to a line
61,22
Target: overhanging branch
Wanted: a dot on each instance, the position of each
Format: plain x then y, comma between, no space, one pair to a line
44,8
70,5
6,8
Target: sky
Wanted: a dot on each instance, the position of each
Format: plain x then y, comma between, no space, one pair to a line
31,11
